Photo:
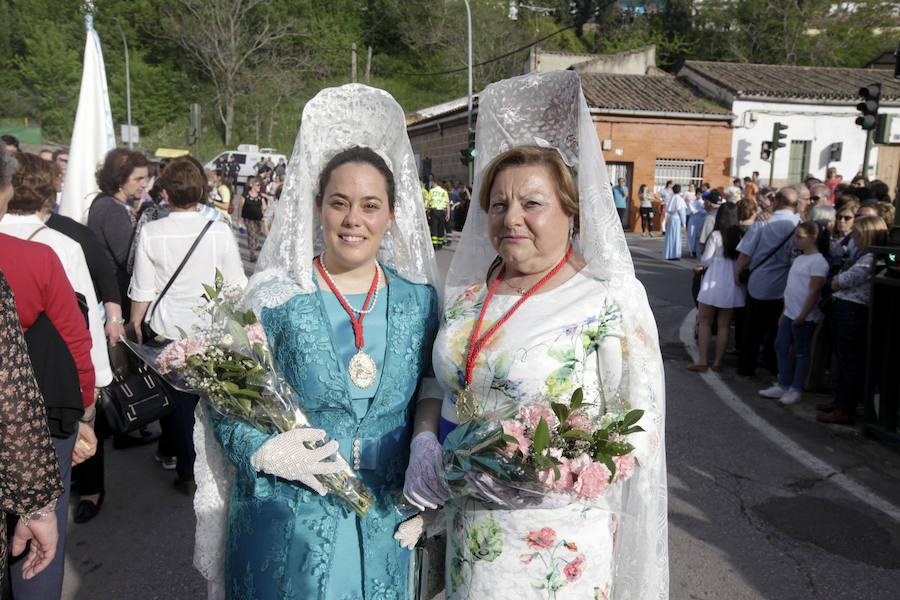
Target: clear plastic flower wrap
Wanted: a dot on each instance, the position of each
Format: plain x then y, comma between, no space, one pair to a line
540,456
230,365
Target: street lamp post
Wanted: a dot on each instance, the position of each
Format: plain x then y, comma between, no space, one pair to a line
471,165
127,85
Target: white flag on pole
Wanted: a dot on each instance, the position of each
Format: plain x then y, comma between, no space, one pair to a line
93,134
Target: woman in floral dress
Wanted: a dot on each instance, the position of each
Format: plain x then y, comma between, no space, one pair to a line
547,215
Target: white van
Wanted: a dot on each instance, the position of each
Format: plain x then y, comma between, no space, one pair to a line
247,156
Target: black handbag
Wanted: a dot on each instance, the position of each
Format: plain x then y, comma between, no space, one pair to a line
136,396
134,399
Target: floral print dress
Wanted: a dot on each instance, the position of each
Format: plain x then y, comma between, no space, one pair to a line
545,351
29,471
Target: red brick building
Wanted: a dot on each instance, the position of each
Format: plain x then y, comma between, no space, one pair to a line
652,128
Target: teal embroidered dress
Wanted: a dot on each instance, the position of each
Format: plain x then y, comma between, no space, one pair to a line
285,541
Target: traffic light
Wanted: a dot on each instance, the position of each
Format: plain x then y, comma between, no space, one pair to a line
868,108
766,152
778,135
467,155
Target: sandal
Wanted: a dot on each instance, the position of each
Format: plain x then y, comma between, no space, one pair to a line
698,368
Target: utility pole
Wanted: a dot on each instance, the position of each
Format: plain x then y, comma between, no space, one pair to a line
127,85
470,131
353,63
368,64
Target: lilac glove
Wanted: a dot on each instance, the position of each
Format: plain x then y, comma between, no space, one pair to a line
424,487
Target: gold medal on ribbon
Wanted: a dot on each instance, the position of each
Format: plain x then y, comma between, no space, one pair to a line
466,405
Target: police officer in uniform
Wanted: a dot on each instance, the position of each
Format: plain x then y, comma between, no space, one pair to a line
438,215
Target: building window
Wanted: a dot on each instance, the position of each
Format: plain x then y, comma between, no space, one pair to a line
798,165
682,171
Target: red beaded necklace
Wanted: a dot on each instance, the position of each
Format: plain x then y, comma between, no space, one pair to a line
466,405
362,367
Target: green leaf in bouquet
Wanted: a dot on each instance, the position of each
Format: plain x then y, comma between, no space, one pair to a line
239,335
618,448
577,434
211,293
230,387
245,405
577,399
606,460
630,430
631,418
561,411
556,473
509,439
601,436
248,393
541,436
249,318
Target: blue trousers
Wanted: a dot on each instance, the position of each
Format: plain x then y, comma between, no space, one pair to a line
800,337
47,585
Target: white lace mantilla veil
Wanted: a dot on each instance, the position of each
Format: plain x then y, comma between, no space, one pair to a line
334,120
549,109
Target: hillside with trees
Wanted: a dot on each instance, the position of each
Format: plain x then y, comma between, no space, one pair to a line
252,64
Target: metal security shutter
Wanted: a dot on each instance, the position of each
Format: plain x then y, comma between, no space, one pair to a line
798,165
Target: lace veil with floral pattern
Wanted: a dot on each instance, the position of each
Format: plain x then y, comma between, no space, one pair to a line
549,109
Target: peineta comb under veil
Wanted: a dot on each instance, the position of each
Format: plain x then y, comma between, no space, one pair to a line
549,109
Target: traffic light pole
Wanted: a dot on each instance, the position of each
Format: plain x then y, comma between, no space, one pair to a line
771,167
865,165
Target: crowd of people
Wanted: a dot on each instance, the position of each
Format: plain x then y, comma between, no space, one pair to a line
352,233
791,269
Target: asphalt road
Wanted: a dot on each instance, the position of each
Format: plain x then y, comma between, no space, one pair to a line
763,501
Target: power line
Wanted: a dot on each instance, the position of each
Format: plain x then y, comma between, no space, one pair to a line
481,64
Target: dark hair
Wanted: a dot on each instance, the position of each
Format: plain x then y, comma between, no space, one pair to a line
10,140
33,182
184,182
676,188
356,155
59,152
880,191
726,216
642,188
727,225
117,168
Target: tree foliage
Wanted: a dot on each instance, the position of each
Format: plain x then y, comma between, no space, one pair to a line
265,58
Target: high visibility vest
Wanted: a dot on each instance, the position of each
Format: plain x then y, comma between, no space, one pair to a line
438,198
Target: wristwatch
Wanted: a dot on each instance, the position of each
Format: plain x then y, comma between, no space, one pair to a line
118,320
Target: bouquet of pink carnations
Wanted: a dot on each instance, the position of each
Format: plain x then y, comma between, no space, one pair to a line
230,364
520,457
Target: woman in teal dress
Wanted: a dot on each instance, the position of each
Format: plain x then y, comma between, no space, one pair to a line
318,268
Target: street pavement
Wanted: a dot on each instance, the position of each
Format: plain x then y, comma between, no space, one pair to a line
764,502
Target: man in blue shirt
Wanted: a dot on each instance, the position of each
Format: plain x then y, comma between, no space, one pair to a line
766,250
620,195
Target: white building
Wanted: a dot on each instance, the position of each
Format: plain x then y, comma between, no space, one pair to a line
818,105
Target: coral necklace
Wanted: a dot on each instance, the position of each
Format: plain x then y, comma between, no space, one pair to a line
362,368
466,403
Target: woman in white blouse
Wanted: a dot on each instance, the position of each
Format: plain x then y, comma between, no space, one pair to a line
162,246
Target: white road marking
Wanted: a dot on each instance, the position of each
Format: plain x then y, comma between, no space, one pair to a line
789,446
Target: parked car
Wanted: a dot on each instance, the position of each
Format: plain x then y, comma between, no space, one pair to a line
247,156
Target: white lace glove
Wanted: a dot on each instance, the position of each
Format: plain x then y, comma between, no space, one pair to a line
409,531
424,487
287,456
